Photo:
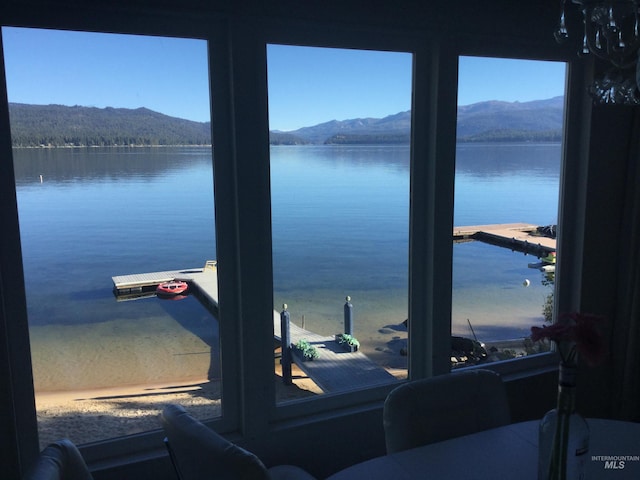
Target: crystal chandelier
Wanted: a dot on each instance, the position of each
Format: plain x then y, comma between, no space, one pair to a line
611,32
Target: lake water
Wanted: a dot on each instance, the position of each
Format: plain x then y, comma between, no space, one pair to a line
340,227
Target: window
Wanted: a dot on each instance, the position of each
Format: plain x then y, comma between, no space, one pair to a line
508,164
113,170
243,197
340,125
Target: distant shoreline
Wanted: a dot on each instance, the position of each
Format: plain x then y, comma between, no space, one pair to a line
60,125
52,147
459,142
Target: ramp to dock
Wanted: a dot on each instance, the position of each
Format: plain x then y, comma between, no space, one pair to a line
335,370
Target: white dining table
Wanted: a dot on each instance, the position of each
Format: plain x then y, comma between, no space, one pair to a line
509,452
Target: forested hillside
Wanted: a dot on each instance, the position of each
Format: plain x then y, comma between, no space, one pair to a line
57,125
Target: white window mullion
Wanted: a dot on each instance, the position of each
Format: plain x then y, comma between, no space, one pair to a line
226,221
255,327
433,147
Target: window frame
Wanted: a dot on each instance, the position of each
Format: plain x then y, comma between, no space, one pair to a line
237,73
572,193
416,43
214,32
433,142
18,399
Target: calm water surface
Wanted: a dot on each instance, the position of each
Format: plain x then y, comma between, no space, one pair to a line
340,227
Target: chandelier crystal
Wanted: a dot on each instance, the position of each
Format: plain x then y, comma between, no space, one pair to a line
611,33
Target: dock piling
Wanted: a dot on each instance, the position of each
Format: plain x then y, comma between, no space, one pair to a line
348,316
285,341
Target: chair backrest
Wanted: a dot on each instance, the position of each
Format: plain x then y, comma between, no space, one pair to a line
60,460
198,452
447,406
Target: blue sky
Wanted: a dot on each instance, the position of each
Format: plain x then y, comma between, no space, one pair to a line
98,70
307,85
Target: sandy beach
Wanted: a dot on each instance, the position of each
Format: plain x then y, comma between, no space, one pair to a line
163,364
87,416
92,415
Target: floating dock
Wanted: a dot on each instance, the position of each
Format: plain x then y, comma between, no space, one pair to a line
140,285
520,237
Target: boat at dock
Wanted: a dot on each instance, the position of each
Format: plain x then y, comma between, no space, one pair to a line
543,267
549,259
546,264
172,288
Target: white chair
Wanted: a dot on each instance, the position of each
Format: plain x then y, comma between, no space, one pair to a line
60,460
198,452
442,407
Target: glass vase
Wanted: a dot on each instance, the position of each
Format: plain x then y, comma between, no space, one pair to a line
563,442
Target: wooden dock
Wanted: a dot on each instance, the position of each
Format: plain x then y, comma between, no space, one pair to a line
335,370
521,237
138,285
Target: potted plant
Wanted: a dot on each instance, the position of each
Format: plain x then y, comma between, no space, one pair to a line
349,342
306,350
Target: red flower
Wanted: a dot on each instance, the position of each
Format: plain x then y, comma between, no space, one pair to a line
588,338
557,332
575,333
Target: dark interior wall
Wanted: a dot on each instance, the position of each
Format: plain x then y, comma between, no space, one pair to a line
357,434
496,18
9,452
613,133
532,396
327,445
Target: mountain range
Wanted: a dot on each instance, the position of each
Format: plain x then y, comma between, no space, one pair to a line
539,120
57,125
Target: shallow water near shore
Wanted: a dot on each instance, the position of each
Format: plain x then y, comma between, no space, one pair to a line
96,213
156,348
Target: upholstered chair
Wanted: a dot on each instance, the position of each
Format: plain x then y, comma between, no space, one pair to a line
431,410
60,460
198,452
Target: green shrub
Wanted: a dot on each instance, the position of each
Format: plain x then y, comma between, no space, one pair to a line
308,351
348,339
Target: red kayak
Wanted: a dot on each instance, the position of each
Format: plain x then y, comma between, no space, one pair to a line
170,289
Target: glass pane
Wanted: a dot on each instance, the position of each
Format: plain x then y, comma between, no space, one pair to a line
340,124
508,162
113,180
